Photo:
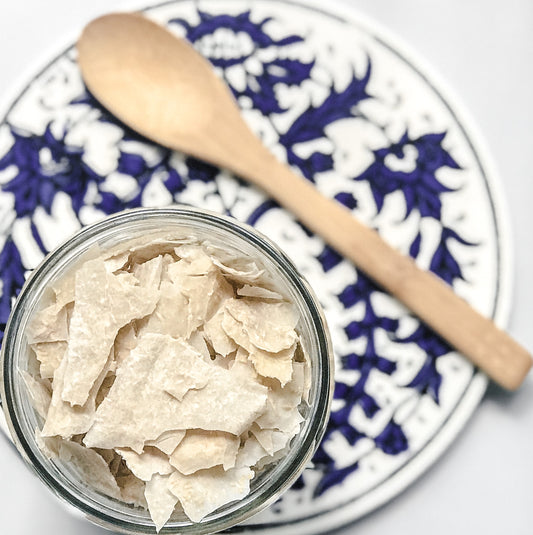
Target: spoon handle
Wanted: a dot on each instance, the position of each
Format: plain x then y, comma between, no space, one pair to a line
431,299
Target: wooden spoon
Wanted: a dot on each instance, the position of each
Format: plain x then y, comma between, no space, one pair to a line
161,87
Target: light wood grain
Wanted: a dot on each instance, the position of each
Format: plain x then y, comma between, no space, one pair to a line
161,87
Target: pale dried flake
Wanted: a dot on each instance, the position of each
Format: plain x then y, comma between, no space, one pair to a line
205,491
50,355
301,381
282,411
48,325
137,409
217,336
250,453
132,490
160,500
64,419
270,459
194,262
168,441
168,259
149,246
144,465
204,292
302,356
259,292
180,369
200,450
99,313
272,440
275,365
125,341
239,269
116,262
64,290
149,273
92,468
39,393
48,445
170,315
268,326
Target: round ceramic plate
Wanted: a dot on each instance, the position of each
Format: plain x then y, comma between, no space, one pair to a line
355,114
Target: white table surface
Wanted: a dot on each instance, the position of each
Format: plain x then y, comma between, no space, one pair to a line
483,48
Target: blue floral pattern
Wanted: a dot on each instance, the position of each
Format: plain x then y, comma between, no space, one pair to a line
414,172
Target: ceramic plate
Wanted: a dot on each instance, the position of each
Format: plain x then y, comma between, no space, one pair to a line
357,115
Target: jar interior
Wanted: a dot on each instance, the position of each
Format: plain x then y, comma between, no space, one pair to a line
268,484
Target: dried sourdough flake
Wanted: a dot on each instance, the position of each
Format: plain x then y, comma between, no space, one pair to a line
99,313
39,393
149,273
168,441
164,371
258,291
132,490
144,465
50,355
204,449
268,326
66,420
217,336
49,325
138,408
164,319
92,467
161,502
207,490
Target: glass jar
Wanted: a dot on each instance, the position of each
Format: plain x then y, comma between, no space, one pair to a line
22,419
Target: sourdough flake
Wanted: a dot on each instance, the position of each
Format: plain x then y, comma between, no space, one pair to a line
64,290
205,491
92,467
64,419
168,441
132,490
217,336
269,326
48,325
116,262
99,313
39,393
48,445
272,440
169,315
160,500
276,365
137,408
49,354
204,449
258,291
250,453
149,273
144,465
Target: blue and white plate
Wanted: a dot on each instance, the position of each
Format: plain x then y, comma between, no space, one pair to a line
363,120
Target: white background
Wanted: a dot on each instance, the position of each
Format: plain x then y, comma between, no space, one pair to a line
484,49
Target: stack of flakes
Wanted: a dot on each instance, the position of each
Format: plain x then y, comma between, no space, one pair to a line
168,372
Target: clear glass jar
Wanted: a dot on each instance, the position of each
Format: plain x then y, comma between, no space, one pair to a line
22,419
